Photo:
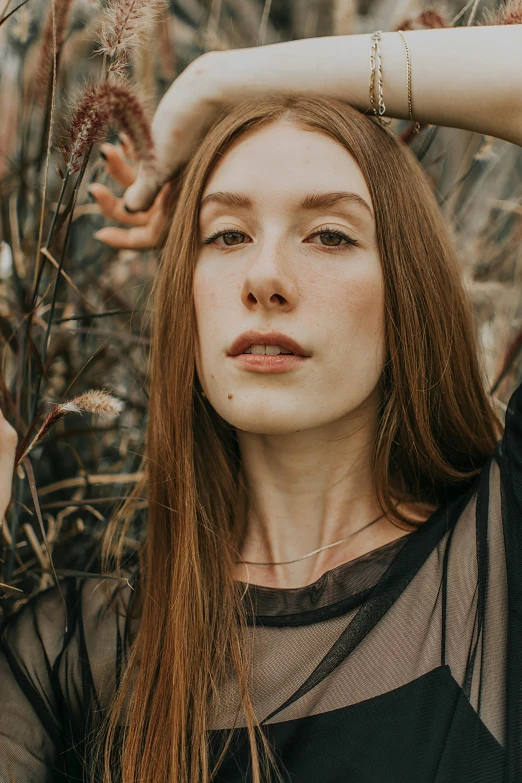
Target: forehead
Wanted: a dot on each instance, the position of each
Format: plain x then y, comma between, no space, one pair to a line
282,163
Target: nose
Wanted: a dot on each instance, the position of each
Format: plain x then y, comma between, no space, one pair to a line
269,282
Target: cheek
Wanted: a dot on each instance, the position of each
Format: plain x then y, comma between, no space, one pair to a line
213,312
206,305
365,300
358,301
355,317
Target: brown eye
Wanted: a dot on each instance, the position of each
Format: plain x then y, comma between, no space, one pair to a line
223,233
333,239
231,234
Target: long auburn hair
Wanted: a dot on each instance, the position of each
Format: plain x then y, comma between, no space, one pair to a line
436,429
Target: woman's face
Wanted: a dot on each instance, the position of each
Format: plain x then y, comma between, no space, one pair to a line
274,271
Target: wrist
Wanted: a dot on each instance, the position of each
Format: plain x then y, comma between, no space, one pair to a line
213,75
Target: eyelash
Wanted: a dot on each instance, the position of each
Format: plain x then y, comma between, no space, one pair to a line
325,230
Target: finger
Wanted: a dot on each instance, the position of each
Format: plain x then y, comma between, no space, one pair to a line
127,146
9,440
112,207
142,193
9,436
116,166
176,122
173,145
182,117
145,237
160,212
139,238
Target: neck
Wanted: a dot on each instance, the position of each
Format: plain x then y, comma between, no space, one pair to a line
306,490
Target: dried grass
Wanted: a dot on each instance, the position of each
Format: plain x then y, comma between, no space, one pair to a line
72,312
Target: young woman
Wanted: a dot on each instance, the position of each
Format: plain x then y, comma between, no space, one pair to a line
330,584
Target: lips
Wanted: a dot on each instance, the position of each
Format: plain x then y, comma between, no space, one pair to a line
252,337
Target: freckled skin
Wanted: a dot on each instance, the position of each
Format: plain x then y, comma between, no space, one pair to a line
330,300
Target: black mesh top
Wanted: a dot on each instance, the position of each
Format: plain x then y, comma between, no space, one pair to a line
403,665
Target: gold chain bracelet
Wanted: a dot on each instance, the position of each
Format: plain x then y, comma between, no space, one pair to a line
375,65
378,106
415,125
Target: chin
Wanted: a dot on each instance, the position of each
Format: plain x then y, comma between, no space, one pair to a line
248,416
260,428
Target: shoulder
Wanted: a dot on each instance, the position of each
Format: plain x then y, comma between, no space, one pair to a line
38,628
66,635
509,454
511,444
509,502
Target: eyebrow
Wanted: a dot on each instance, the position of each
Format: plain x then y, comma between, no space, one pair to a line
311,202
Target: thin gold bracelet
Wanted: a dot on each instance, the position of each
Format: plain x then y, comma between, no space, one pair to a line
375,65
415,125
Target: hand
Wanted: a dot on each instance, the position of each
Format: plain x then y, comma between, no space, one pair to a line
193,101
147,228
182,117
8,443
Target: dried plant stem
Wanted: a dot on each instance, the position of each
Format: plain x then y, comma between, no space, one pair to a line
40,261
90,501
34,493
66,277
49,134
97,315
15,513
264,22
462,12
43,559
99,479
15,590
472,14
5,532
5,18
58,277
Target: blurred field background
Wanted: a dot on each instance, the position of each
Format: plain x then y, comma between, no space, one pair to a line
76,325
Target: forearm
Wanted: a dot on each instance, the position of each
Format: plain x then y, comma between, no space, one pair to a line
464,77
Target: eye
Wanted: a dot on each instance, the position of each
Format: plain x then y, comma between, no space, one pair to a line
333,235
230,232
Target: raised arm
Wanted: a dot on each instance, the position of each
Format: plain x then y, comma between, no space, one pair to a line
463,77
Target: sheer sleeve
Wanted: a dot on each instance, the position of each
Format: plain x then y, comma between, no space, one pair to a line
31,642
510,461
60,658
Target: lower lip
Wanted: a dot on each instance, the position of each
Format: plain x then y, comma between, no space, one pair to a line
259,362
